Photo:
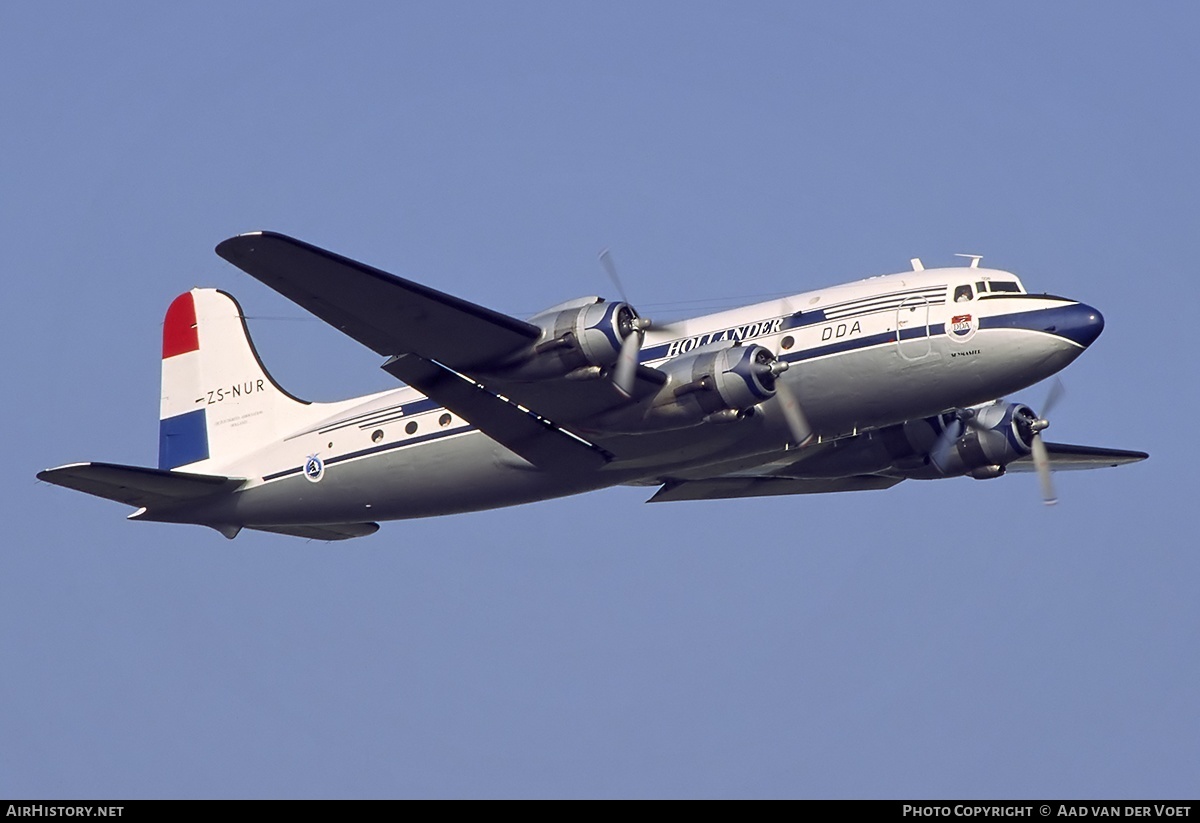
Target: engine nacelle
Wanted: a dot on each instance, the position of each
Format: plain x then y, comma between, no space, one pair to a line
996,436
581,338
919,449
721,383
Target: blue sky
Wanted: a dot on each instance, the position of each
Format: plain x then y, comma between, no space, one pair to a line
951,638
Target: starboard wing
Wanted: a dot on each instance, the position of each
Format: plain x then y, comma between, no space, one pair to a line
1065,457
734,487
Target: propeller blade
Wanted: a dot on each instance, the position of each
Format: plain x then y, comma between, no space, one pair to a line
797,421
607,262
952,431
1041,461
970,420
625,371
1056,393
625,374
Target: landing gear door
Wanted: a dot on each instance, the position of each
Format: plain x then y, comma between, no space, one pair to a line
912,328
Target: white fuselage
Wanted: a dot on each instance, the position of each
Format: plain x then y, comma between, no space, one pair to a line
863,355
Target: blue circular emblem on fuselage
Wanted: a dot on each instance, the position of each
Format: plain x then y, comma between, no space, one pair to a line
314,469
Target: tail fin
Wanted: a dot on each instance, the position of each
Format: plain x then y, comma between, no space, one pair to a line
218,402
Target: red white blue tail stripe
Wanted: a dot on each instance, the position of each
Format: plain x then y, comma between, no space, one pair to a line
182,428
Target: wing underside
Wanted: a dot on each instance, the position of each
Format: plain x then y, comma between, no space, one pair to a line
1066,457
734,487
791,480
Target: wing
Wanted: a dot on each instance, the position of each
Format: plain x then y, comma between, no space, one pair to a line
532,436
815,471
384,312
732,487
397,317
1065,457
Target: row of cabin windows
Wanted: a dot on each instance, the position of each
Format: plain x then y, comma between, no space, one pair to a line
409,428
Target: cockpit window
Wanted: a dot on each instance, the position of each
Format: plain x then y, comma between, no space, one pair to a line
962,294
1001,285
981,286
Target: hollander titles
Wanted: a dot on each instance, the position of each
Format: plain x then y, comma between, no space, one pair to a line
38,810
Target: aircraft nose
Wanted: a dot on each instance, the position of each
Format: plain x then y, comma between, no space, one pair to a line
1083,324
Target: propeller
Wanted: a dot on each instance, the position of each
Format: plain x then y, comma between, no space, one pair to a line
607,262
625,373
1041,461
793,413
634,329
1056,393
1041,457
960,419
966,418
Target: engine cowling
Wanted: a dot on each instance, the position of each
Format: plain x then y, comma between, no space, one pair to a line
581,338
721,383
921,449
992,437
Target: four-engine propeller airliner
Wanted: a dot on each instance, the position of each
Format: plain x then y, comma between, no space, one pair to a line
852,387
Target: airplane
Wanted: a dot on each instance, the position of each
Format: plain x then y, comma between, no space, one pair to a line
848,388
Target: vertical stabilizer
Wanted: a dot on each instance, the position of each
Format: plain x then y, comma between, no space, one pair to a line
218,402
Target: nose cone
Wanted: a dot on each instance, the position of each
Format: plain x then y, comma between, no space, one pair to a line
1082,324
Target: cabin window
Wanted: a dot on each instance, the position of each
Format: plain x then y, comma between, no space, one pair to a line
444,420
411,428
962,294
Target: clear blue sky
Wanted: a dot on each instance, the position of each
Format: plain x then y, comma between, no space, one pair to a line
949,638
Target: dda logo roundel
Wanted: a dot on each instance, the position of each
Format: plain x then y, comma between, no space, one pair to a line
962,327
314,469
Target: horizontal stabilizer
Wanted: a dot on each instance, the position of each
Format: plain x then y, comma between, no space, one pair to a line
326,531
137,485
731,487
1064,457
